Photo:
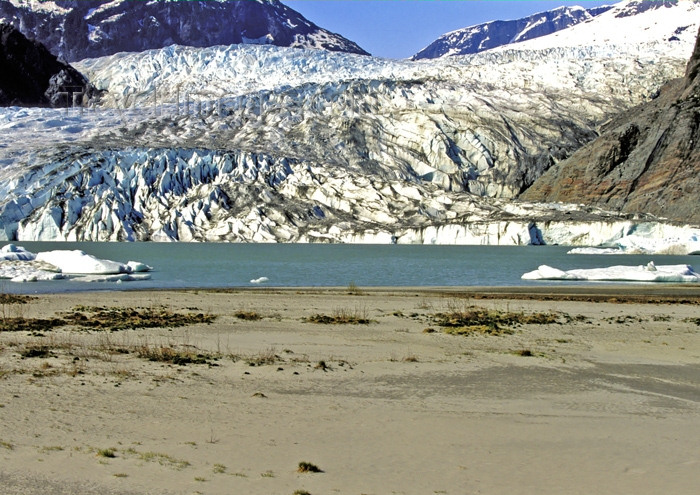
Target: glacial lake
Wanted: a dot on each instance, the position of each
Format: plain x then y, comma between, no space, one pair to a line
197,265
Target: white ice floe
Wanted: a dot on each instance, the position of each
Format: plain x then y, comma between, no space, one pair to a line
10,252
595,250
137,267
27,271
260,280
117,277
649,239
20,265
620,273
78,262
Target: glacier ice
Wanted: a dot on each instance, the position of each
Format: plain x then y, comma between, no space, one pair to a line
20,265
620,273
266,144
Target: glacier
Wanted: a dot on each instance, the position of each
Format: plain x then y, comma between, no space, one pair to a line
268,144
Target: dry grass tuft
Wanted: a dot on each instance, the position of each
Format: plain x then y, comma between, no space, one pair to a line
307,467
267,357
169,354
248,315
341,316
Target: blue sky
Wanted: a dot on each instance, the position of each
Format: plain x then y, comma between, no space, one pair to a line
400,28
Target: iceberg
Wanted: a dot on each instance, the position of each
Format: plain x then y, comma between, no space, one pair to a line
619,273
78,262
20,265
650,240
10,252
27,271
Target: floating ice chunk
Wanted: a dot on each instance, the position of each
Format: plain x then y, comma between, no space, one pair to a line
10,252
594,250
620,273
681,242
260,280
79,262
116,277
545,272
137,266
20,265
27,271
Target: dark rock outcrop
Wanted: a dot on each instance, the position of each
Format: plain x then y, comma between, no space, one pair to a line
646,160
94,28
31,76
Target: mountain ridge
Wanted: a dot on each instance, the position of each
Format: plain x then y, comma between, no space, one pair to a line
75,30
485,36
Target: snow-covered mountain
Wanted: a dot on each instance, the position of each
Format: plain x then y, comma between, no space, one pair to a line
481,37
93,28
628,21
260,143
670,22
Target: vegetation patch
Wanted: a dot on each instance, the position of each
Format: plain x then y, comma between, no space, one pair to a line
169,354
266,357
341,317
307,467
115,319
248,315
473,319
354,290
36,351
108,453
693,320
14,299
162,459
32,325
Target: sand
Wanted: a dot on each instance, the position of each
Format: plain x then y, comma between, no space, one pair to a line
606,400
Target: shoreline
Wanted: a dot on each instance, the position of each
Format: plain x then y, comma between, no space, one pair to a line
603,398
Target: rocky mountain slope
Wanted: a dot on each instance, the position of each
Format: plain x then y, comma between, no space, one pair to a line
94,28
31,76
481,37
261,143
646,160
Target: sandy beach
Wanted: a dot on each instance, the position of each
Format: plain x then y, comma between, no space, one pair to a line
385,391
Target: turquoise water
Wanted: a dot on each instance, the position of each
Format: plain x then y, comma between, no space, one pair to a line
194,265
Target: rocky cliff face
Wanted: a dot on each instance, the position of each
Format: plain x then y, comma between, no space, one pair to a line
93,28
31,76
646,160
490,35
